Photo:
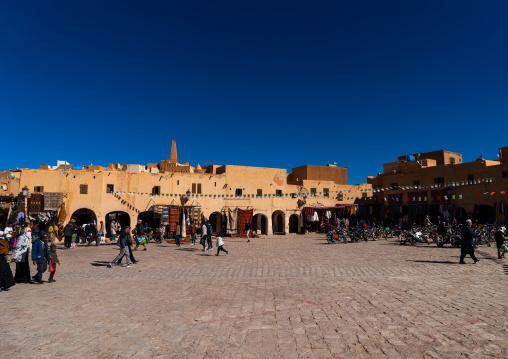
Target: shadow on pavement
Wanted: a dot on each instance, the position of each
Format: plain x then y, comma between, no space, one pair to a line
100,264
441,262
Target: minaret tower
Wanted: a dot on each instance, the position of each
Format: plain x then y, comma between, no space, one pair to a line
173,157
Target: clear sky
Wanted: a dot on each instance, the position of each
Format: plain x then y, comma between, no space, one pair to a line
258,83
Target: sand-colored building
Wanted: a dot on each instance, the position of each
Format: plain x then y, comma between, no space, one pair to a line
440,183
127,192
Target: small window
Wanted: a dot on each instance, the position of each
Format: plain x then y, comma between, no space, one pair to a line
278,193
312,191
194,188
340,197
452,160
156,190
394,186
260,192
110,188
83,189
470,177
326,192
439,180
177,182
364,195
416,183
39,189
238,192
199,188
215,184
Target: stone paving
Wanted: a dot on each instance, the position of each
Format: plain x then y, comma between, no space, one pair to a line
277,297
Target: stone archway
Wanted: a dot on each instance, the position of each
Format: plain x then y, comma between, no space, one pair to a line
293,223
83,216
118,216
278,223
260,224
216,222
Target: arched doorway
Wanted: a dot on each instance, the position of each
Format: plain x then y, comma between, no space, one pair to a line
122,217
293,223
486,214
260,224
460,215
216,222
278,223
83,216
151,219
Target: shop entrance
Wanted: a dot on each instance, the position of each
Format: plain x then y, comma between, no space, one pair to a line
83,216
122,217
278,223
260,224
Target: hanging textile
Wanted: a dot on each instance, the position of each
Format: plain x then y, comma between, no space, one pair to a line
174,216
309,211
183,225
62,214
232,221
195,215
244,216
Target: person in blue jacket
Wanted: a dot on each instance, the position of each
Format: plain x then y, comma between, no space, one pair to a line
209,231
40,255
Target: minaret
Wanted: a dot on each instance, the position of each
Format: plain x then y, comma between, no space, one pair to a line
173,157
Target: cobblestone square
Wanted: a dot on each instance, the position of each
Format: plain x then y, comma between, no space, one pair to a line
288,296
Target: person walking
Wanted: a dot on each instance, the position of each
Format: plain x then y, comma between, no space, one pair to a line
499,241
467,243
40,254
177,234
8,233
68,232
248,228
140,234
192,230
220,246
89,234
131,252
6,278
118,227
53,261
21,256
204,236
209,231
124,248
112,230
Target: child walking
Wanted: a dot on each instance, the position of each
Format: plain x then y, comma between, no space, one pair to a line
220,247
53,260
73,240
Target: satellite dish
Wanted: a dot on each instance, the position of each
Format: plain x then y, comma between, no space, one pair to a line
11,176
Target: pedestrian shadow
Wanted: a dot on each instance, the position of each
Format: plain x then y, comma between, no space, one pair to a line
205,254
437,262
100,264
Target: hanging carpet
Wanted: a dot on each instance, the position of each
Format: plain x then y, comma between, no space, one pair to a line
232,221
244,216
174,216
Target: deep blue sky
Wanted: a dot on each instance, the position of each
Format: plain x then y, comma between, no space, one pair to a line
273,84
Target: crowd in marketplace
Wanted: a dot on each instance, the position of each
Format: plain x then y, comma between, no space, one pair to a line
23,242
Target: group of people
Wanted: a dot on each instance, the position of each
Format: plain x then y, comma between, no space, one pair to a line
26,244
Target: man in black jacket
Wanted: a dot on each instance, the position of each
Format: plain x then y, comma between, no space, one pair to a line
467,243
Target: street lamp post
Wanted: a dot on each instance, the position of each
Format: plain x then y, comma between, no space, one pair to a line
24,193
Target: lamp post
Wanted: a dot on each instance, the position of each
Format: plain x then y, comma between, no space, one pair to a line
24,193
